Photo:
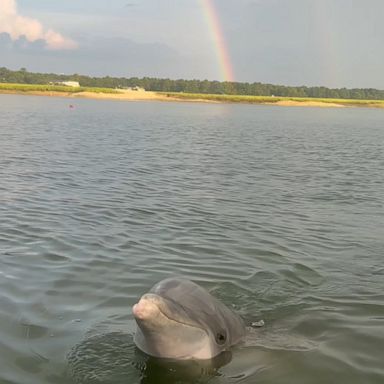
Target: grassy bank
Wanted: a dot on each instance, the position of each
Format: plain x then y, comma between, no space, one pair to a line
275,100
30,88
109,93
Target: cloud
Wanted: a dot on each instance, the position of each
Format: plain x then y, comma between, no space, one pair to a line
98,56
18,26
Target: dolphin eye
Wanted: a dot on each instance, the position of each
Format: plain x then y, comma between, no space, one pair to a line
221,338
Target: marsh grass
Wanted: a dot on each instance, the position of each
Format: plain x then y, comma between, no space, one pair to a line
52,88
273,99
46,88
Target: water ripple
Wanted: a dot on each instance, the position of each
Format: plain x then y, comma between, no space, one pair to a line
278,212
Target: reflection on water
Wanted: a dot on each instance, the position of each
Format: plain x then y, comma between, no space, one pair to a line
277,211
112,358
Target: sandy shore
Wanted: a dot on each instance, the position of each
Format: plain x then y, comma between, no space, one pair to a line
147,95
121,95
129,95
137,96
291,103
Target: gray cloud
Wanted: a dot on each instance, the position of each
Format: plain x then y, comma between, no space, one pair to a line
108,56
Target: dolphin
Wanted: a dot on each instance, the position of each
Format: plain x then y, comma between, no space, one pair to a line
177,319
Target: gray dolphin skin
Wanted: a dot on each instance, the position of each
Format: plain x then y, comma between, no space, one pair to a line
180,320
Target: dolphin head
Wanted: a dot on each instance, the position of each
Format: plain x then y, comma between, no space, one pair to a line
180,320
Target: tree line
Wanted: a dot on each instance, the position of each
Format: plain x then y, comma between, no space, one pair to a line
192,86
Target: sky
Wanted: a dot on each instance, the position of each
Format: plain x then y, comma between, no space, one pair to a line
332,43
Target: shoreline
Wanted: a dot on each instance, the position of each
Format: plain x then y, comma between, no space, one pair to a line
131,95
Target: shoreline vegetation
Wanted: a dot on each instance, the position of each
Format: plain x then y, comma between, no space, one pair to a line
138,95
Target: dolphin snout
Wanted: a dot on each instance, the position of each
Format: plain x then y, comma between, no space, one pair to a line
147,307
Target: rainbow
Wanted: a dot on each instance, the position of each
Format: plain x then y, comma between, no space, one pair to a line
328,44
218,38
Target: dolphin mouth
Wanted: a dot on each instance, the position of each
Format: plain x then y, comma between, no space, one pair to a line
187,323
151,305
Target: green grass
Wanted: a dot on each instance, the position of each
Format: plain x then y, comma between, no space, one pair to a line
52,88
25,88
272,99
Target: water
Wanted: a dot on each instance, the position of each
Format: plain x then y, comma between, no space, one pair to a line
277,211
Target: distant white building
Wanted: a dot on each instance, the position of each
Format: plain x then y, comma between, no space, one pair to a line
68,83
136,88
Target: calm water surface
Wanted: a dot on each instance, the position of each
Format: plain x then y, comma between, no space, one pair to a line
279,212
